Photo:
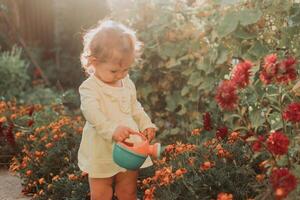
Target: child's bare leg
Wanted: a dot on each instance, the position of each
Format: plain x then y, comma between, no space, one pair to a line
126,185
101,188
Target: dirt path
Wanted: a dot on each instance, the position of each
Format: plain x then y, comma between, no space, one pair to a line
10,187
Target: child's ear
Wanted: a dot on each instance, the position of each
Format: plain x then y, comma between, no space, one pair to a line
93,60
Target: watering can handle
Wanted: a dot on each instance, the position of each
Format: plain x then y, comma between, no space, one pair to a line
134,133
140,134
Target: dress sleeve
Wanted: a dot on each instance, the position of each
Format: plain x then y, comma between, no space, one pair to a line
138,112
92,112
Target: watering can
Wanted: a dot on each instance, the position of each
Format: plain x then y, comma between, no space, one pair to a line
131,156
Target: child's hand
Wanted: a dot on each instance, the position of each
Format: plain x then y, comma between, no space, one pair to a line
122,133
150,133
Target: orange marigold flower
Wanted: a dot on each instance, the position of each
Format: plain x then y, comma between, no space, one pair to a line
191,161
219,147
3,119
234,136
31,138
13,116
260,177
55,178
72,177
222,153
196,131
147,181
38,154
62,135
180,172
263,164
28,172
49,145
83,174
280,193
41,181
19,134
224,196
41,192
79,130
207,165
56,137
149,193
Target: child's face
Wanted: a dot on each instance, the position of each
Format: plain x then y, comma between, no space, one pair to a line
111,72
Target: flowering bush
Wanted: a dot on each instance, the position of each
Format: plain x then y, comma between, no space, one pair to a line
38,134
253,155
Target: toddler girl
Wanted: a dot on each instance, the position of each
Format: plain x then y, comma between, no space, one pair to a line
110,107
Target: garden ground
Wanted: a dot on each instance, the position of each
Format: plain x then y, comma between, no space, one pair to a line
10,187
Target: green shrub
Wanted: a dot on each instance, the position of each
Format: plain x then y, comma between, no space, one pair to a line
13,73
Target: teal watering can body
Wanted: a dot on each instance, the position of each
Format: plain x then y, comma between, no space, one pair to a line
132,156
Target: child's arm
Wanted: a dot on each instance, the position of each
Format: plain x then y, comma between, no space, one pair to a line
92,113
138,112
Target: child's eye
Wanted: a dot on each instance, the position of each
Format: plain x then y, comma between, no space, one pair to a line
113,72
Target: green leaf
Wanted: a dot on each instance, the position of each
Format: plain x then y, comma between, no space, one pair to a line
195,79
208,84
249,16
171,104
146,90
256,119
296,171
282,161
222,55
228,24
258,50
174,131
185,90
182,111
243,34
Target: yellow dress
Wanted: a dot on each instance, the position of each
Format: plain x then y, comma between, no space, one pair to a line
105,107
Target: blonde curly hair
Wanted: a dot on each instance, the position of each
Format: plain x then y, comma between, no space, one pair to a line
110,41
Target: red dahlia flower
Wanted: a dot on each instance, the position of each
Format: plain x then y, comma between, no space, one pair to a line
226,95
222,132
278,143
286,70
281,72
292,112
207,121
270,59
256,146
241,74
270,69
284,180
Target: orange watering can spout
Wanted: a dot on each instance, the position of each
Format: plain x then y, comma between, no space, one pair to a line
143,147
